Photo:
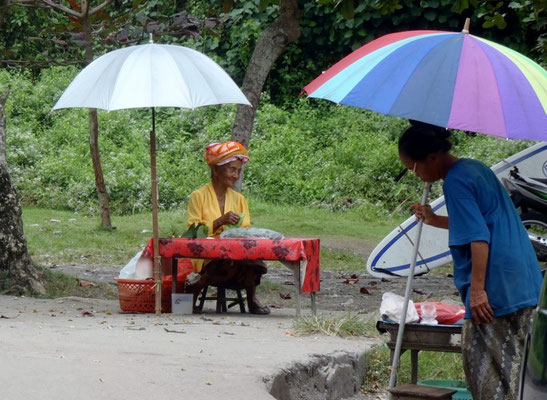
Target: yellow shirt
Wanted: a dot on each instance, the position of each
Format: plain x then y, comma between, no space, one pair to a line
203,207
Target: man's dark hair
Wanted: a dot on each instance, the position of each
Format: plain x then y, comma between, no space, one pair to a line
421,140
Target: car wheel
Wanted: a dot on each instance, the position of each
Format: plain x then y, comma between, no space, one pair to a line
536,225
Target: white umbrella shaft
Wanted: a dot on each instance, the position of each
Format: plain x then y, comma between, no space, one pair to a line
154,182
402,322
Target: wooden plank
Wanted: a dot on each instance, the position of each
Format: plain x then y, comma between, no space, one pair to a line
417,392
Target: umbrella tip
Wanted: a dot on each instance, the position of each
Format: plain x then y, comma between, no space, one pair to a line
466,25
150,38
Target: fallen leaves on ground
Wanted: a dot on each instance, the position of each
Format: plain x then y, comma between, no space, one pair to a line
83,283
173,331
6,317
136,328
426,294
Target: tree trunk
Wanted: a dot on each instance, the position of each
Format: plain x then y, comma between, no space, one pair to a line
98,169
14,257
102,194
3,10
271,44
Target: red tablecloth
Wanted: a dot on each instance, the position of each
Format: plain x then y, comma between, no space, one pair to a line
292,249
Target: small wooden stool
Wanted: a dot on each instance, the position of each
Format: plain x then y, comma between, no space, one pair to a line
222,300
417,392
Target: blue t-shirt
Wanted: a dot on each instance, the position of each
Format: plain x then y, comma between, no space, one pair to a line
480,209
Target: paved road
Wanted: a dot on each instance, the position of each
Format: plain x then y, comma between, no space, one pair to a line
84,348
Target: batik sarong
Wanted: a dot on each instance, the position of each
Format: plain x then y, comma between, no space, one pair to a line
492,354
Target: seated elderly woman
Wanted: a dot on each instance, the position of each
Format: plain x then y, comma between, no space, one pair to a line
217,205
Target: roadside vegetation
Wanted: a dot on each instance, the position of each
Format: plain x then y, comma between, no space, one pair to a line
348,325
313,153
71,237
432,365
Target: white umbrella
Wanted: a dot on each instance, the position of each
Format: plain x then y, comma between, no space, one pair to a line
151,75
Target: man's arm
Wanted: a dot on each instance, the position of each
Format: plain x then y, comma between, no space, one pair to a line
478,299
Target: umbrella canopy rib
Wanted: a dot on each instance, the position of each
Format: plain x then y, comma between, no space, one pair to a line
449,79
151,75
427,92
359,54
470,108
517,92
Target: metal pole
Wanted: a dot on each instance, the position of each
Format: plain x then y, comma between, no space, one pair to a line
157,257
400,332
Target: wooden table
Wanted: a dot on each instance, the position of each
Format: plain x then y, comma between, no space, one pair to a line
443,338
300,255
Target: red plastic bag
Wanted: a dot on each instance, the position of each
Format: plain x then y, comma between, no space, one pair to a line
185,267
447,314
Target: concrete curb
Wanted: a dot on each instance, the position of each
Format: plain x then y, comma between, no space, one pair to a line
326,377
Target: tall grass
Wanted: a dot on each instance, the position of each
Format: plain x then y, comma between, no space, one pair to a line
346,325
431,365
69,237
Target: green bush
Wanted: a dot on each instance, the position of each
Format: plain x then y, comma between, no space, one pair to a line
317,154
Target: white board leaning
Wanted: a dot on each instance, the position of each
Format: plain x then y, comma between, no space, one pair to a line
391,257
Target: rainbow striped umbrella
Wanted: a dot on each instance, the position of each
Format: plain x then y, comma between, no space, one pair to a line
449,79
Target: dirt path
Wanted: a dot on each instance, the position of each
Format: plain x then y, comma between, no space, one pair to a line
339,290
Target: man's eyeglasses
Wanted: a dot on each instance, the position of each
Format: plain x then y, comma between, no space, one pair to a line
413,170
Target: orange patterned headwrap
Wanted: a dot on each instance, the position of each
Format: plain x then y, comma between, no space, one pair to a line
222,153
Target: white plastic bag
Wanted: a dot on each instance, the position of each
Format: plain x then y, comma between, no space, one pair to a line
429,314
392,308
251,233
138,267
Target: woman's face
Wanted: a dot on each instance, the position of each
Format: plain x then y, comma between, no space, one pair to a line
227,174
426,170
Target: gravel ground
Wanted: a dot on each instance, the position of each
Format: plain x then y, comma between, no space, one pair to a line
357,292
339,290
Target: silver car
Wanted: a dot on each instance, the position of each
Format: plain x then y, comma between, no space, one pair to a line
533,378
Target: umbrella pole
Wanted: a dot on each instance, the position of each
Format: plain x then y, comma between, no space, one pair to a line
402,322
157,257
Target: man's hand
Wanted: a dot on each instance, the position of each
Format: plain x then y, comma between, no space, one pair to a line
423,212
426,213
478,298
480,307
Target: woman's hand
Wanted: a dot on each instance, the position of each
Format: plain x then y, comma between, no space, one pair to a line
426,213
230,218
480,307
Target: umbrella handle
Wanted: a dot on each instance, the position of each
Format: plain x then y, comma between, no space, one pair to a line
401,330
154,191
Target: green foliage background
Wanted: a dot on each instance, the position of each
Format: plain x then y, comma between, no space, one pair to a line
327,34
330,30
315,153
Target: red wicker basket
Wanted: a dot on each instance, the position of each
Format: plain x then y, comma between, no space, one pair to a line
139,295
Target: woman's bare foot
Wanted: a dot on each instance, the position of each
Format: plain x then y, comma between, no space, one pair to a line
258,309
